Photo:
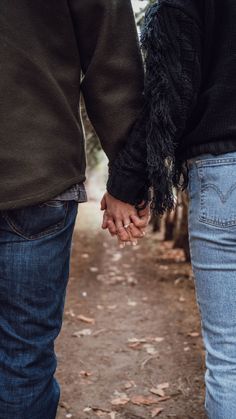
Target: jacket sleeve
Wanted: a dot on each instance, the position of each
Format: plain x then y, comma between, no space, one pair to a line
172,46
112,83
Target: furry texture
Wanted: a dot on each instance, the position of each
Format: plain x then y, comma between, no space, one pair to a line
171,45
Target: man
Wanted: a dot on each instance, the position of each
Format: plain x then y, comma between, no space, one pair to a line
49,52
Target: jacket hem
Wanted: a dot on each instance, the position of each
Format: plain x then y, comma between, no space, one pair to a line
41,197
214,148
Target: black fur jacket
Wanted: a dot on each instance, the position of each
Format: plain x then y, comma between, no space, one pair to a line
172,48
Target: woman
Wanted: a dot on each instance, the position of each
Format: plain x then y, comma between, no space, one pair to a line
189,116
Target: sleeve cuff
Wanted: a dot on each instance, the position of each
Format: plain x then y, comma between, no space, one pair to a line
130,189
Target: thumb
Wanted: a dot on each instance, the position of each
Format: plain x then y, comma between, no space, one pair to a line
103,203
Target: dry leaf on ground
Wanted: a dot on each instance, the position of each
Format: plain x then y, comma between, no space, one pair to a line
159,390
150,349
121,401
137,346
86,319
100,410
64,405
132,303
144,400
84,332
87,409
158,340
98,332
85,374
136,340
129,385
156,412
193,334
70,313
93,269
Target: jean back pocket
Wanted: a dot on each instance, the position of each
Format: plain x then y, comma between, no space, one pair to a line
218,191
37,221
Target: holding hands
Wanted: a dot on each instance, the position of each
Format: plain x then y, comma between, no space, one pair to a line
123,220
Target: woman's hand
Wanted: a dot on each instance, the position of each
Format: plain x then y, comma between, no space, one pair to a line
123,220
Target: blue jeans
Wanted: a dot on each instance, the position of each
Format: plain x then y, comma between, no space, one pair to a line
212,228
35,247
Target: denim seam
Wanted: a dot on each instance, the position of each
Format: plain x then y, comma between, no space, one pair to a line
215,162
47,232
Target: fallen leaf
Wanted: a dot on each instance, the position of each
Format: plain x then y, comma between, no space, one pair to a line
132,303
164,385
193,334
100,409
70,313
156,412
182,299
85,255
129,385
136,346
64,405
98,332
116,257
135,340
120,401
163,267
87,409
84,332
159,390
86,319
93,269
144,401
85,374
159,340
150,349
100,412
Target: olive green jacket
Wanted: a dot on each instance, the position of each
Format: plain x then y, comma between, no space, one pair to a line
50,52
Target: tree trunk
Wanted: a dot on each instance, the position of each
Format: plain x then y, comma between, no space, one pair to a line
181,239
156,223
170,222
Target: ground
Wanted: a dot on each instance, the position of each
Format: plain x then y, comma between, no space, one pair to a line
130,346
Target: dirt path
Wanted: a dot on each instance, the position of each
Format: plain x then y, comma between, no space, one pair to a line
145,331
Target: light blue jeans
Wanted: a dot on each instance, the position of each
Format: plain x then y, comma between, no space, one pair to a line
212,229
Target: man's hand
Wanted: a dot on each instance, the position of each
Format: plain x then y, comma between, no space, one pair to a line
122,219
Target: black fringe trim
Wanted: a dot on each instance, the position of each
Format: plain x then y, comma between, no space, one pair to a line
168,95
